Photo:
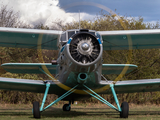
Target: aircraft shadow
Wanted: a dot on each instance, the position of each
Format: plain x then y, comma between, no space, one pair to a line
17,109
58,112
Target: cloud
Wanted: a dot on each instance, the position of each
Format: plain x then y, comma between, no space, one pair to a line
83,16
46,11
39,11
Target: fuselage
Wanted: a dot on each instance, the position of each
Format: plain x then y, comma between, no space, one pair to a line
80,58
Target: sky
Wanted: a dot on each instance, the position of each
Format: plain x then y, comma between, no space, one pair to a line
46,11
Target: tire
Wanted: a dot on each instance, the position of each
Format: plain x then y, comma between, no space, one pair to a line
125,110
66,107
36,111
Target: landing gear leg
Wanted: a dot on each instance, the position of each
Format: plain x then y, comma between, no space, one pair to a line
66,107
124,110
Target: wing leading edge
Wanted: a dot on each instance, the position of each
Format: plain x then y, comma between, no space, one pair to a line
31,68
29,38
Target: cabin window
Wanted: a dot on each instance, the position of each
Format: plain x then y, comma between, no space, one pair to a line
93,33
70,34
63,37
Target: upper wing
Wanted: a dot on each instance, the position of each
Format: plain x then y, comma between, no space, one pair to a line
137,39
131,86
29,38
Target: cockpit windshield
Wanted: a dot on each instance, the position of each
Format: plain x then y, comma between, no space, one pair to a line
93,33
63,37
70,33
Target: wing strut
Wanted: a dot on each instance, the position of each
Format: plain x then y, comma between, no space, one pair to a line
46,73
61,97
115,97
95,95
124,107
45,95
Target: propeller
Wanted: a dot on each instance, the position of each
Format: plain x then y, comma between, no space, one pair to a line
84,48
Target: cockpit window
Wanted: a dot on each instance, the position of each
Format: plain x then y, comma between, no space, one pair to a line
63,37
70,34
93,33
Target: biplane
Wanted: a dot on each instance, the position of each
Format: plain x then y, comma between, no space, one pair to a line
79,68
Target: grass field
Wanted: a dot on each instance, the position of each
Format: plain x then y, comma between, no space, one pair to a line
79,112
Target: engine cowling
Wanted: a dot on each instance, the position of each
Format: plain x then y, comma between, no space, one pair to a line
84,48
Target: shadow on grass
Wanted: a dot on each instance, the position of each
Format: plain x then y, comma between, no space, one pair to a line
108,112
59,113
15,109
93,112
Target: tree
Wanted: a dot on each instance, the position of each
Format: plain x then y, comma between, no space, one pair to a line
8,18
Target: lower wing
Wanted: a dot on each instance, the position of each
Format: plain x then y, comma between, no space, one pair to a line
26,85
131,86
39,86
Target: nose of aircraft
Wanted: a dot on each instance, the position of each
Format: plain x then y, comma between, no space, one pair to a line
85,46
84,49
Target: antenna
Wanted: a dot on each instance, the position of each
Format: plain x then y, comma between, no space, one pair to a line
79,21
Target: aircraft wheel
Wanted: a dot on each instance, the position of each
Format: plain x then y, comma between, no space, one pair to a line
66,107
36,111
125,110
